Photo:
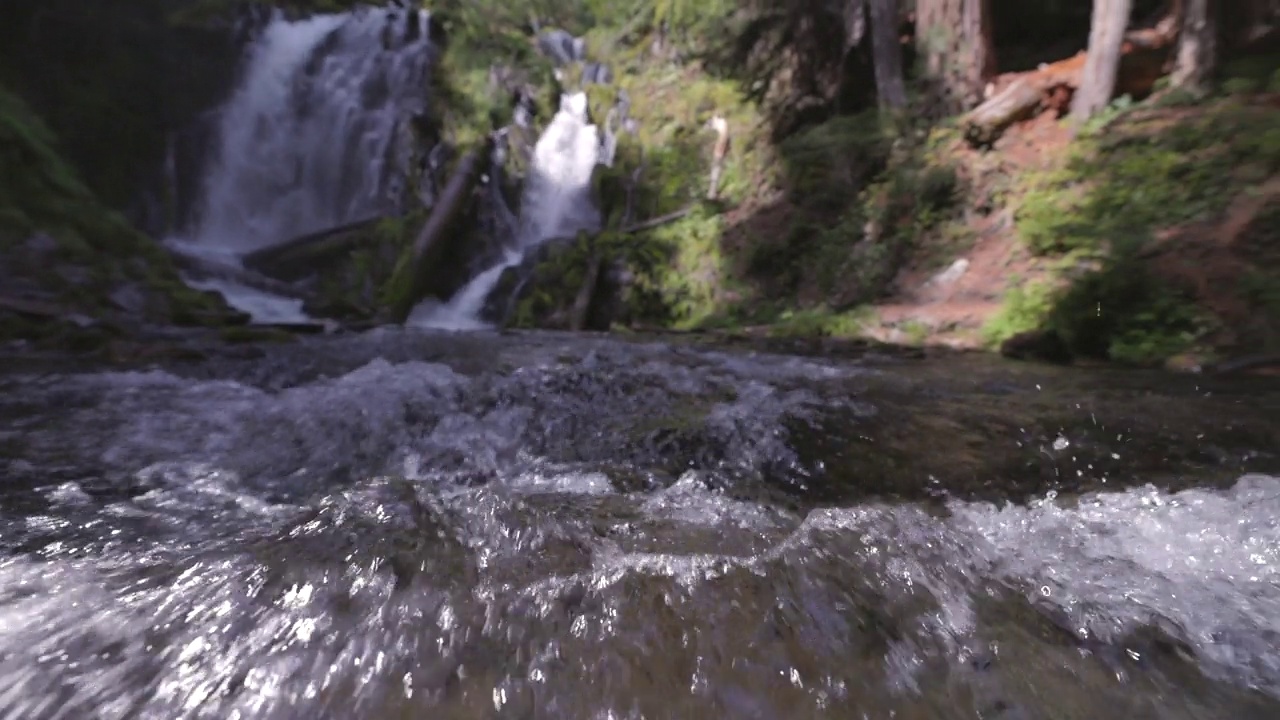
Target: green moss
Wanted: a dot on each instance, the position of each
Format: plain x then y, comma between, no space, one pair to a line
396,285
1023,309
692,283
1241,86
555,283
1118,187
673,107
829,164
1250,73
819,322
1124,314
861,209
41,192
917,332
1146,172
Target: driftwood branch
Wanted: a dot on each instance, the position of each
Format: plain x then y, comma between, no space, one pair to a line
656,222
1140,66
1242,364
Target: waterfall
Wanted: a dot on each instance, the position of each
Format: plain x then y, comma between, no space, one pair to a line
556,204
316,135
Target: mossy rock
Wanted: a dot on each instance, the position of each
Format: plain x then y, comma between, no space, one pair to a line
59,237
555,275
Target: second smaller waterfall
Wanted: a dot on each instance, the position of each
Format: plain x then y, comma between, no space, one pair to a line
556,203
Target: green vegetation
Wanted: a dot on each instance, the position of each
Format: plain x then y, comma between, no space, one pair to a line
1143,174
90,251
1025,308
834,183
822,204
1143,171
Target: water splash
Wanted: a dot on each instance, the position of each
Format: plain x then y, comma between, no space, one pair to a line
453,524
556,204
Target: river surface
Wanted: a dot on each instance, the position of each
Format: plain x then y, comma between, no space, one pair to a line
411,525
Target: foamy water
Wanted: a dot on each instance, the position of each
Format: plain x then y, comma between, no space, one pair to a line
557,204
403,525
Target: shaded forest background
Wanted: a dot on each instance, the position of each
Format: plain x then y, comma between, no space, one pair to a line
1062,180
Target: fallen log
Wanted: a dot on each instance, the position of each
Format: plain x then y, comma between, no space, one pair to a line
295,259
641,226
655,222
430,243
1142,63
203,267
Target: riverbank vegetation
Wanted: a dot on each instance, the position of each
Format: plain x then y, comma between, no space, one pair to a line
1059,181
66,256
975,199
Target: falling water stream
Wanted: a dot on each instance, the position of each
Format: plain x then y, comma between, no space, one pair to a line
316,135
403,524
557,204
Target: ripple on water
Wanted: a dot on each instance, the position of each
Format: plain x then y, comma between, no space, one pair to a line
582,540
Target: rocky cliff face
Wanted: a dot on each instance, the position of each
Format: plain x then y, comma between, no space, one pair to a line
116,81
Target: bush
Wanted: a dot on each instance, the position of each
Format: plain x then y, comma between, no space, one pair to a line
1023,309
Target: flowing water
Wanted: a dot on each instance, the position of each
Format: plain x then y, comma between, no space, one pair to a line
556,204
316,135
411,525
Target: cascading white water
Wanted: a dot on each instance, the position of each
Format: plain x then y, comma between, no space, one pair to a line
556,204
316,136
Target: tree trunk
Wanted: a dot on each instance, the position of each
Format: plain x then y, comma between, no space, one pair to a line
886,54
433,237
586,293
1197,46
301,256
1144,54
954,41
721,126
1102,64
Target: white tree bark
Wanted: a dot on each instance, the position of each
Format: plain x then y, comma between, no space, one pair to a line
1197,46
1102,64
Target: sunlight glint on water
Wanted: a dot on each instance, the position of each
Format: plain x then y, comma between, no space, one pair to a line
409,537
